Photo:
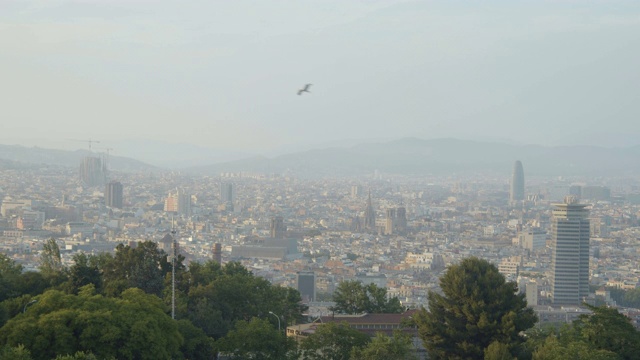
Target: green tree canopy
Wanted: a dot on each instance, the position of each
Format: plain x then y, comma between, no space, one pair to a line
257,339
84,272
134,325
233,293
50,260
497,351
553,349
144,267
80,355
15,353
10,273
607,329
352,297
332,341
477,308
383,347
197,345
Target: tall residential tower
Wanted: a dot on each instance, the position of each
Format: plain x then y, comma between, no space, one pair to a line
113,195
517,183
369,216
570,253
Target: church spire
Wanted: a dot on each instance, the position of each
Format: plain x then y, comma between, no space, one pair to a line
369,215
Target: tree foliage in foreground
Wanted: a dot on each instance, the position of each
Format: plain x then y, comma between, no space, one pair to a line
133,326
604,334
144,267
14,353
497,351
477,308
332,341
217,297
257,339
607,329
382,347
554,349
353,297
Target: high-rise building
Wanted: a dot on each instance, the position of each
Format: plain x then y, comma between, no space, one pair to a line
570,253
390,220
217,253
178,202
93,171
306,284
517,183
227,193
356,190
113,195
369,216
401,220
277,228
531,239
531,293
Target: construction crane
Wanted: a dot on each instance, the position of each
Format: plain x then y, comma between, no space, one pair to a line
86,141
107,150
106,158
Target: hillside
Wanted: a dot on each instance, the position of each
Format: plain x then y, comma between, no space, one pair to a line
411,156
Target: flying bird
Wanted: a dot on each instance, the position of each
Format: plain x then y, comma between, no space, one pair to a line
305,89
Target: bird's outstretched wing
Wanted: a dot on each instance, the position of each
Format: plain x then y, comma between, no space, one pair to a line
304,89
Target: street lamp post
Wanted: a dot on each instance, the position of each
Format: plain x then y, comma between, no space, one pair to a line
277,317
173,274
24,309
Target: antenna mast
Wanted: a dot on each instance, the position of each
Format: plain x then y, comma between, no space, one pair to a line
173,270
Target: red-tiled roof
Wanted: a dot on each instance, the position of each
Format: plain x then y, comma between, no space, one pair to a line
369,318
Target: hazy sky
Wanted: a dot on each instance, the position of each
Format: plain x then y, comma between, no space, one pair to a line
225,73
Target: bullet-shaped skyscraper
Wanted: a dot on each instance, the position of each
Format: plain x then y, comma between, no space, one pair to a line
517,183
570,253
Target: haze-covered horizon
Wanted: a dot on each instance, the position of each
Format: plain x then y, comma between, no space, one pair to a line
224,75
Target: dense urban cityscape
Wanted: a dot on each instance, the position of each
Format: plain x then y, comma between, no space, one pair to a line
398,232
319,180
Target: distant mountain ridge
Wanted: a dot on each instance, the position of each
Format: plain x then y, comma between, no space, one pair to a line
407,156
413,156
16,156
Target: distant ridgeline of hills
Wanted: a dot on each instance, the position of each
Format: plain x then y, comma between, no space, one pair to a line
16,157
408,156
413,156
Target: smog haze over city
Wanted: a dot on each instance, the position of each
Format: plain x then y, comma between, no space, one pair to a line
224,74
254,179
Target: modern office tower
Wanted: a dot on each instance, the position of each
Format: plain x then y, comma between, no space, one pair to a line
531,293
517,183
532,239
217,253
390,220
277,228
227,193
93,171
306,285
369,216
401,220
113,195
570,253
178,202
356,190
